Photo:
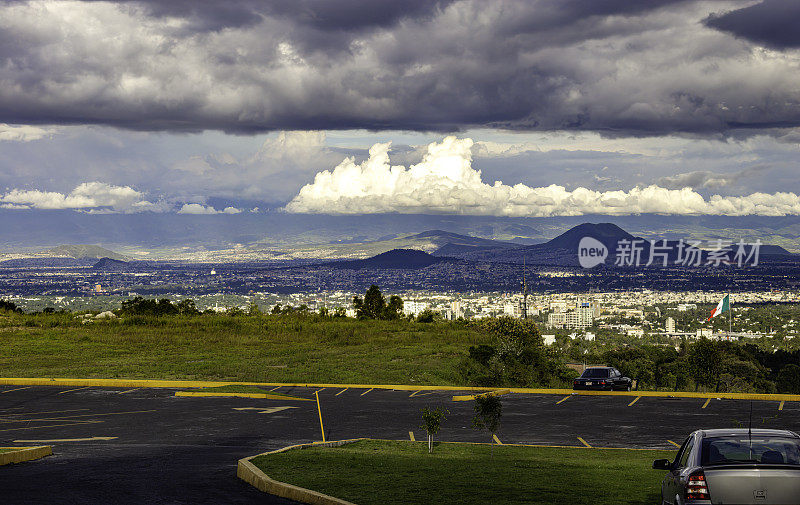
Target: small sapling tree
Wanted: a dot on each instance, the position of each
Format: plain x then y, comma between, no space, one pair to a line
488,410
431,422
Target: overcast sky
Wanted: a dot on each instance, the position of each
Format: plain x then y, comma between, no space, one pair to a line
536,108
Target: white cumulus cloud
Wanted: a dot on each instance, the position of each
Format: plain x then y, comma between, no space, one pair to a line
23,133
89,195
445,182
196,208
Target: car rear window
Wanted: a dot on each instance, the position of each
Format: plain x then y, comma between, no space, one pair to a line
595,373
741,449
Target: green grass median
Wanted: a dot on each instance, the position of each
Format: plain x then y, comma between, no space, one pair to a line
388,473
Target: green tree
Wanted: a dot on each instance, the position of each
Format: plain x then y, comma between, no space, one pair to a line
187,307
427,316
394,308
488,411
9,306
789,379
374,306
704,358
253,310
432,422
276,309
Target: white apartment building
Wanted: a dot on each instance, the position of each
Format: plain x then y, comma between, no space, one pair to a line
670,325
414,308
582,317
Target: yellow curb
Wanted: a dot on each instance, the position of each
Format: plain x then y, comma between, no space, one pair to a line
251,474
467,398
151,383
243,395
21,454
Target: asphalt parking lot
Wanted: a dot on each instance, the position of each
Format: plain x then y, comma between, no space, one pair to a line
145,445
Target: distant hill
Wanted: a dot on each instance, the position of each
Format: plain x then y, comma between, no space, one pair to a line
607,233
774,250
110,264
402,259
562,250
436,242
84,251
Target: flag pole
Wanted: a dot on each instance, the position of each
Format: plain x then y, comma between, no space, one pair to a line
730,316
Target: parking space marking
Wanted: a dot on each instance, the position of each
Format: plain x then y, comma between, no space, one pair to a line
51,426
70,418
584,442
428,393
342,391
496,439
275,388
673,443
71,390
780,407
128,391
562,400
634,401
415,393
411,436
367,391
319,391
2,416
63,440
17,389
706,403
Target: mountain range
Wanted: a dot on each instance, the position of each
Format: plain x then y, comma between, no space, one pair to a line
561,250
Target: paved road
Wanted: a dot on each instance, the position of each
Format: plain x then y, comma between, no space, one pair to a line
184,450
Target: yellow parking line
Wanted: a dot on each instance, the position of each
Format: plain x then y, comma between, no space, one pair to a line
780,407
562,400
70,418
71,390
4,416
51,425
411,436
89,439
584,442
319,391
128,391
367,391
414,393
706,403
634,401
17,389
276,387
673,443
342,391
496,439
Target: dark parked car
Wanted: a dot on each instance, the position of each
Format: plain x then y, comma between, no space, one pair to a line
734,466
602,378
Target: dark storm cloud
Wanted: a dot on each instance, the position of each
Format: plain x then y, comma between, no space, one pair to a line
773,23
618,67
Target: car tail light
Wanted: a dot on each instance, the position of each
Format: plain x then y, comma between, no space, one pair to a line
696,488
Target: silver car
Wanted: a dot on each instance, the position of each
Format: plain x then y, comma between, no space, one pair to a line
734,466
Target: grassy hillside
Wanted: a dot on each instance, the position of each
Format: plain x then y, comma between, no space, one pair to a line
243,348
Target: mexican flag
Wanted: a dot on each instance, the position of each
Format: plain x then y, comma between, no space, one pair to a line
724,305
